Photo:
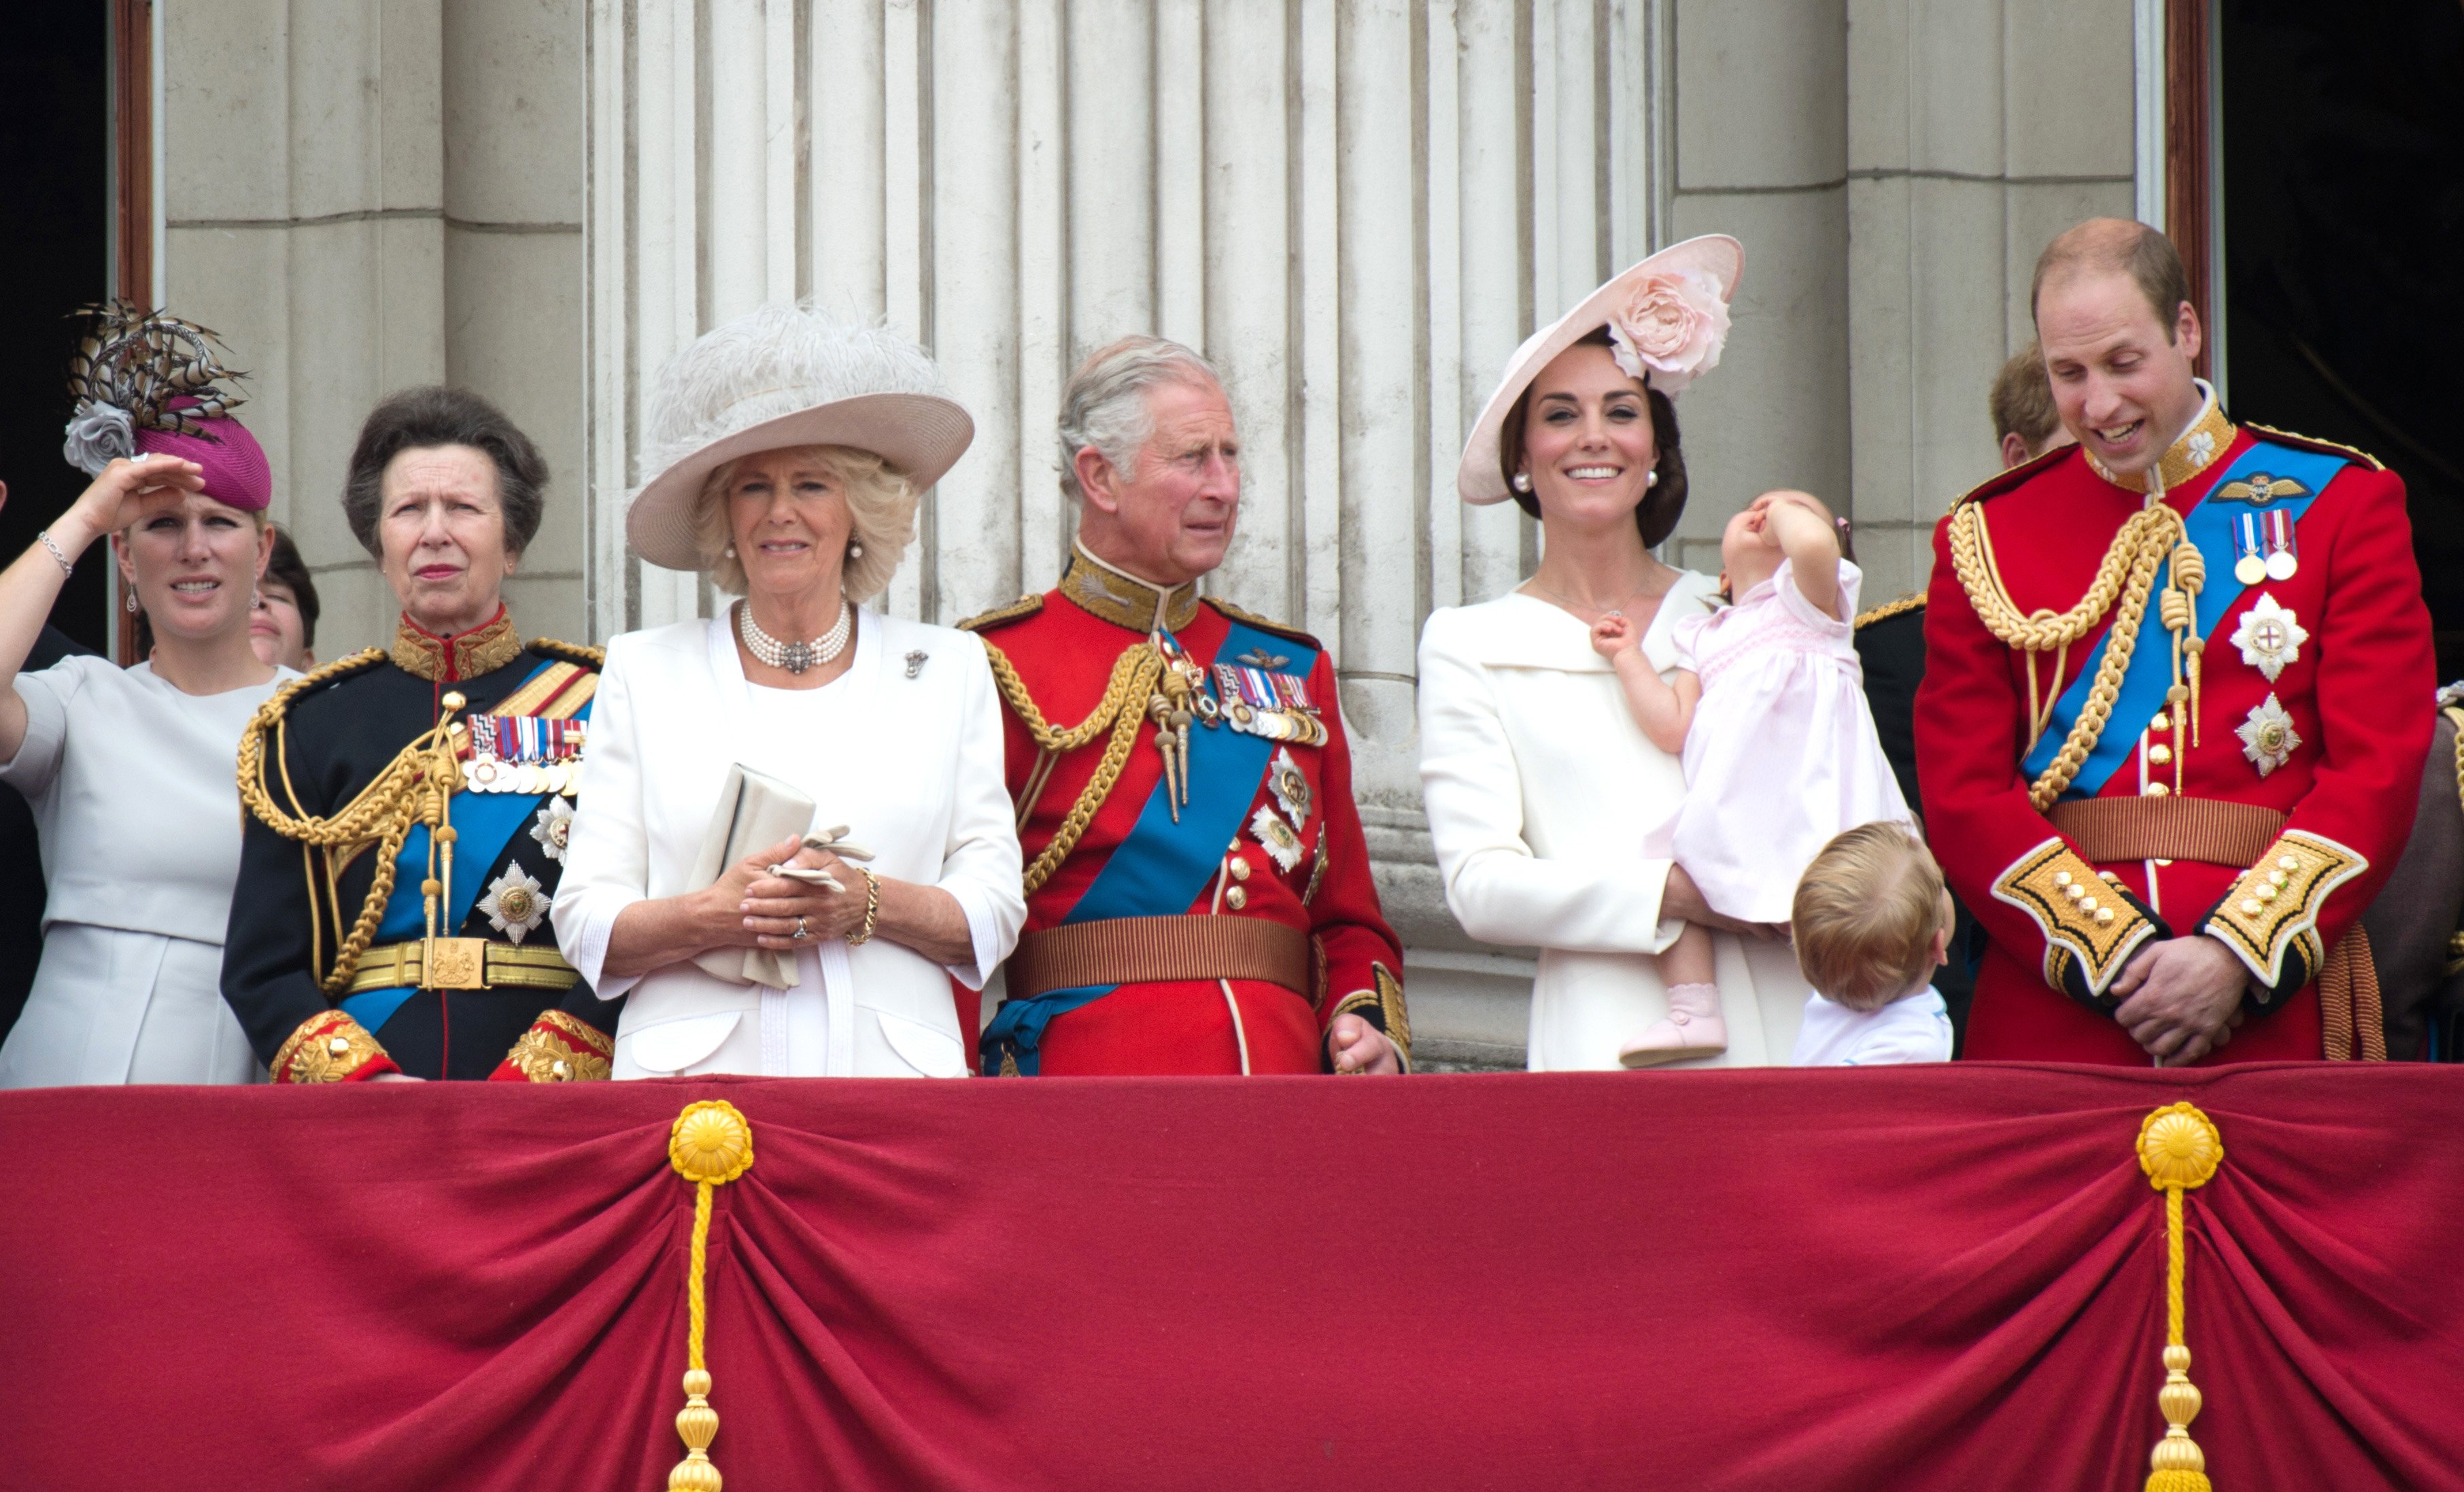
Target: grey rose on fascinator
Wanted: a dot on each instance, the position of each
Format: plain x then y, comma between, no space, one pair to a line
98,434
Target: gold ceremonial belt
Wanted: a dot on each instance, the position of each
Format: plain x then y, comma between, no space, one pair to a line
1158,950
463,963
2111,830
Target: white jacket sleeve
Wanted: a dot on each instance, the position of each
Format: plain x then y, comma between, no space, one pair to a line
1496,887
607,854
980,867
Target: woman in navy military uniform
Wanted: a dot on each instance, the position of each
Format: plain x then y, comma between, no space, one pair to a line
408,806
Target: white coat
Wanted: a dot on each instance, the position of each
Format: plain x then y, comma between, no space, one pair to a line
1540,790
910,759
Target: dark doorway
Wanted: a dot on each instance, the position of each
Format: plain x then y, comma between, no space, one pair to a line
55,131
2344,214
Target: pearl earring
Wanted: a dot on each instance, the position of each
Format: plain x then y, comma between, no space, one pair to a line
855,551
1651,478
729,551
1522,481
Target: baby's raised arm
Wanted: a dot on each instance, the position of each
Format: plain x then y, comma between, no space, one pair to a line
1665,711
1812,544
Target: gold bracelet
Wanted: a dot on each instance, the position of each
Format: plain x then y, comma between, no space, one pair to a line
872,909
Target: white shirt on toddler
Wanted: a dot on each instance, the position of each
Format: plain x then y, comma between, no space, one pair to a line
1915,1027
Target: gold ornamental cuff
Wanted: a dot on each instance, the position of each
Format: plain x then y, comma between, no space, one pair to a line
1383,1005
2273,910
564,1048
2081,916
463,963
327,1047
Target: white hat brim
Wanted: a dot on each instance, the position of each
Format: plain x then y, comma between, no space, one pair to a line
920,435
1478,479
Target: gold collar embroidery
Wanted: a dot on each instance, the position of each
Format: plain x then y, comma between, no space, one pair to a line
446,660
1123,599
2202,446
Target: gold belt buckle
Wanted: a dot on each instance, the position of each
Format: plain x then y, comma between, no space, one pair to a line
457,963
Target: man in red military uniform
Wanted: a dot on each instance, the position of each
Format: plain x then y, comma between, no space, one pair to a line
2178,690
1198,889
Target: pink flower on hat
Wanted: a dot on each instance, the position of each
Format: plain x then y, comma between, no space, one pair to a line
1670,329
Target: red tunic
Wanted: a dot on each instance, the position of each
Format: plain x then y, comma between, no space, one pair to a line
1064,655
2357,692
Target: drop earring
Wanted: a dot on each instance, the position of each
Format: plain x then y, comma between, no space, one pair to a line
132,600
1522,481
855,551
729,551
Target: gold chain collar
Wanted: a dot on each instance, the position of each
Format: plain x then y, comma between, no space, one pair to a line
2202,446
448,660
1124,600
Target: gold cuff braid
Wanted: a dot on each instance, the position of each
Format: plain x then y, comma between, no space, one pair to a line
2080,915
2273,910
328,1047
564,1048
1385,1001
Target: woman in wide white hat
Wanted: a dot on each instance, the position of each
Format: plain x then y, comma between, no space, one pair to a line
789,454
1541,789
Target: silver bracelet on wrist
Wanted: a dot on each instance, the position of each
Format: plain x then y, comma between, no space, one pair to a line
45,535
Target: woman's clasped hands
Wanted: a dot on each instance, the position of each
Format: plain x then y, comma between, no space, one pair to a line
757,904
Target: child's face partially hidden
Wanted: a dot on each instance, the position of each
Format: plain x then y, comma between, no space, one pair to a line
1749,546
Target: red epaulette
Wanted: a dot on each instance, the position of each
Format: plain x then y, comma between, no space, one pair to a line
2001,482
1018,611
1242,614
2314,443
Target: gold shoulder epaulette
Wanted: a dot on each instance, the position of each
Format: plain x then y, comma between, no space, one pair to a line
592,658
1889,609
2001,482
1263,623
1018,611
2314,443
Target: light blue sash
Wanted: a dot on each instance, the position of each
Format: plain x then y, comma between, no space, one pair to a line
1160,868
2151,674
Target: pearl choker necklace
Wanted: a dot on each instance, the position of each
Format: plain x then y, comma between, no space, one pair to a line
797,656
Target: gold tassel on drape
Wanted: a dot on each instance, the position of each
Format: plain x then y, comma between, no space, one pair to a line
2179,1148
710,1145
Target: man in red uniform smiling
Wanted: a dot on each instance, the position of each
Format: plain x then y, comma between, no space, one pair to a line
1197,889
2178,691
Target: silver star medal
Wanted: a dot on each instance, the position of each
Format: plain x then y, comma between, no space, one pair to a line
1291,788
516,903
2268,737
554,828
2270,636
1276,836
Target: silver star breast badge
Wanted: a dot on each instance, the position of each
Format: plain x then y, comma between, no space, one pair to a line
2270,636
552,828
2268,737
516,903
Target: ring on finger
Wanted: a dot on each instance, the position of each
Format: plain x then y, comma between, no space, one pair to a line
803,933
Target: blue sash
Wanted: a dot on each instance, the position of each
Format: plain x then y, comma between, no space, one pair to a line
483,823
1160,868
2150,675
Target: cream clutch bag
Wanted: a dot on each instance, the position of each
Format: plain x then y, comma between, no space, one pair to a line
754,812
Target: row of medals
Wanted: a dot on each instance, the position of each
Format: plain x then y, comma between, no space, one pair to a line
488,773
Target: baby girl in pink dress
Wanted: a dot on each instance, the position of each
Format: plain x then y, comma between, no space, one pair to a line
1767,713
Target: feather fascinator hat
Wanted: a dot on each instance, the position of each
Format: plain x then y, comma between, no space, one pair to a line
777,377
1668,319
145,383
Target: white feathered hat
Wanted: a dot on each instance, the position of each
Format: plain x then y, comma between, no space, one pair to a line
1668,317
779,377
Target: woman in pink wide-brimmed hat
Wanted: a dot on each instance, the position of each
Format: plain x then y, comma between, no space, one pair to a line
130,771
1541,789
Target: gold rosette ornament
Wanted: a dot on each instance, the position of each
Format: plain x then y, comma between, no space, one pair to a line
2180,1150
711,1145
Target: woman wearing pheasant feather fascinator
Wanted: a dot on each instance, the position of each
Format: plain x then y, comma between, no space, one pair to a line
129,771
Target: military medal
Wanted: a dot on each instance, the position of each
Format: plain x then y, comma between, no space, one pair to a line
2270,636
1290,786
2249,563
2268,737
552,828
523,754
1273,706
516,903
2283,557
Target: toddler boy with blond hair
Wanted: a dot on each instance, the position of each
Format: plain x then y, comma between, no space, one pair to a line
1872,921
